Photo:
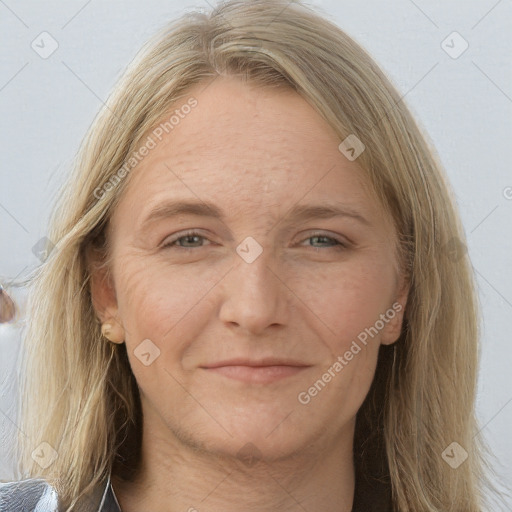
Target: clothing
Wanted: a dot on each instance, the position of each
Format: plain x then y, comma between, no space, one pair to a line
36,495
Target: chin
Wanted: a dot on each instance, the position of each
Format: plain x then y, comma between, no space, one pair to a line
250,440
250,449
247,436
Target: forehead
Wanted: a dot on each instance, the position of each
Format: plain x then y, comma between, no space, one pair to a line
248,148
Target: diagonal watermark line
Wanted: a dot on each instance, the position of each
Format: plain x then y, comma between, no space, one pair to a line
212,79
287,492
106,106
217,13
485,218
14,76
13,13
301,198
82,81
486,14
418,82
497,291
280,423
14,218
404,95
54,170
279,14
76,14
424,13
198,402
303,5
9,419
216,487
492,81
307,192
510,400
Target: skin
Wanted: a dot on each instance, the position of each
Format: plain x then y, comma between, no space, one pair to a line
256,153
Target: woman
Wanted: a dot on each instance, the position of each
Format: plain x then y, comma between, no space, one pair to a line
259,297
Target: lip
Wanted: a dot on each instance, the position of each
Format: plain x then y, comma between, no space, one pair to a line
255,363
263,371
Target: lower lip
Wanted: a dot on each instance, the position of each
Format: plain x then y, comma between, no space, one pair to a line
257,374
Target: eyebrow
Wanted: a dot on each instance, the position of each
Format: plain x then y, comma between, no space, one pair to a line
207,209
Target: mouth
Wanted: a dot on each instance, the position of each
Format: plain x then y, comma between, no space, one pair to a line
256,372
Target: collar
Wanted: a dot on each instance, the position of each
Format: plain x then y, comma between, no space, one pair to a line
108,501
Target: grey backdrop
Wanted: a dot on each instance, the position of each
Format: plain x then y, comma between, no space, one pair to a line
462,97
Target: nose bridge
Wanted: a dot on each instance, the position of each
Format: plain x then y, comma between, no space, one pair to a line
254,273
254,296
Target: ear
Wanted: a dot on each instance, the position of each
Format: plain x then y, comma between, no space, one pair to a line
395,315
103,295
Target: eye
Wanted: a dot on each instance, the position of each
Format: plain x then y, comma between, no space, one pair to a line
321,238
187,237
193,237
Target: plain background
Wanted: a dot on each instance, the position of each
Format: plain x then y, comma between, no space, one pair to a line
463,105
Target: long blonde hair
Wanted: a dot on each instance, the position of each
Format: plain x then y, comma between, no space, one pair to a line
78,394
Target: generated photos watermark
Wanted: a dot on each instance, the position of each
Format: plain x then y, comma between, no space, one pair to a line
151,142
305,397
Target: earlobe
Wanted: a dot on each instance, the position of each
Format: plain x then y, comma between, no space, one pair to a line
393,328
395,314
104,301
113,331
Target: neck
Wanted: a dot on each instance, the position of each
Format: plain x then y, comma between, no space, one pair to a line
175,476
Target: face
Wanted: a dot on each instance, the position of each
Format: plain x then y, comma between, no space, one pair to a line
257,319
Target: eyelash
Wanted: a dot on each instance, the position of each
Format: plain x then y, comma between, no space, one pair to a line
171,244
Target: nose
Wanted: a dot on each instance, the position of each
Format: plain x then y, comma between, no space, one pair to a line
255,296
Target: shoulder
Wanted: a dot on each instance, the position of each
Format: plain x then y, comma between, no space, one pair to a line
30,495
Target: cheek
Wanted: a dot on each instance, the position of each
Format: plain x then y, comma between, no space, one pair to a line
171,305
163,304
347,300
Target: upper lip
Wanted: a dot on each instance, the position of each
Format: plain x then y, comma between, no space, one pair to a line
267,361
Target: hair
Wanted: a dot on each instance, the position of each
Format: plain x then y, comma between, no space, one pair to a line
78,393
